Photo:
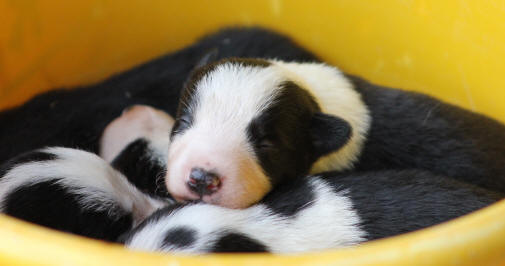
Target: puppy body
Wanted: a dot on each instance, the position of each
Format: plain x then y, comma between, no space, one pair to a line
313,214
78,192
72,191
285,120
75,191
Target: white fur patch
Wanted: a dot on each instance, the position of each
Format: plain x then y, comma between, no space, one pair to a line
139,121
85,174
336,96
329,222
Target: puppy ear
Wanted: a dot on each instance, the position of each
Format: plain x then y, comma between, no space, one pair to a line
328,133
209,57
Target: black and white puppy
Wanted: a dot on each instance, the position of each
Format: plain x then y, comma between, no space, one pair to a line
78,192
313,213
245,125
72,191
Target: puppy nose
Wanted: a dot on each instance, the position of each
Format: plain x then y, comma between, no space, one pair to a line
203,182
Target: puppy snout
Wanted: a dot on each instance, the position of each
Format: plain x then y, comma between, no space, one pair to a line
203,182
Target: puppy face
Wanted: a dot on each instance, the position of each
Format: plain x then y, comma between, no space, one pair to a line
242,127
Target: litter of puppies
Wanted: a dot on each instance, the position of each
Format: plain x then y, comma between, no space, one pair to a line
261,155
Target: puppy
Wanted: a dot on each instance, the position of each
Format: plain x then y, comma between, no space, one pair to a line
331,210
72,191
313,213
245,125
77,192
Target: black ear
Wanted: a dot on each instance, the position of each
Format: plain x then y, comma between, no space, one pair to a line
209,57
328,133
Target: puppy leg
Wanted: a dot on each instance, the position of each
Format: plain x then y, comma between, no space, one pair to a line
136,144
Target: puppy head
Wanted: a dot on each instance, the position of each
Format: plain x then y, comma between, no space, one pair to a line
242,127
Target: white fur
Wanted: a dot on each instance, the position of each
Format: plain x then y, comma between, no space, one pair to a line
329,222
99,186
336,96
139,121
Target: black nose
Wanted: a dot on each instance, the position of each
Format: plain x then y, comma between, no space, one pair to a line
203,182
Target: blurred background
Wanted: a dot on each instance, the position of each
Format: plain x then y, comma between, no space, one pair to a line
451,49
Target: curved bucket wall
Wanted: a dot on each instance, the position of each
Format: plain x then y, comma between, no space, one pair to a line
454,50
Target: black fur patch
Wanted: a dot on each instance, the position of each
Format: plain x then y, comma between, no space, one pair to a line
290,197
51,205
396,202
328,133
236,242
136,163
152,219
179,237
281,134
411,130
28,157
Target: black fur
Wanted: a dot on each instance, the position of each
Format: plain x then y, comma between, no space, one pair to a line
138,166
412,130
179,237
278,135
328,133
396,202
237,242
290,198
76,118
155,217
51,205
33,156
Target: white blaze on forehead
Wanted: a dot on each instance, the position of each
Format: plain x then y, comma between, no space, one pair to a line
232,95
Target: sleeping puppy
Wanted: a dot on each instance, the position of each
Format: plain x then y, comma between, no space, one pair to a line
330,210
72,191
77,192
245,125
313,213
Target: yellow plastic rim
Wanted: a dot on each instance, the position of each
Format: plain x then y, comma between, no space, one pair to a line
451,49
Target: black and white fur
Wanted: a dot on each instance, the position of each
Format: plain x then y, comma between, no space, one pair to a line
314,213
255,123
72,191
330,210
78,192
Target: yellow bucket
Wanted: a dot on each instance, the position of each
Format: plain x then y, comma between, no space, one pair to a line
453,49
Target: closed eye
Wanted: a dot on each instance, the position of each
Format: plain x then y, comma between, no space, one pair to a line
182,123
266,145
